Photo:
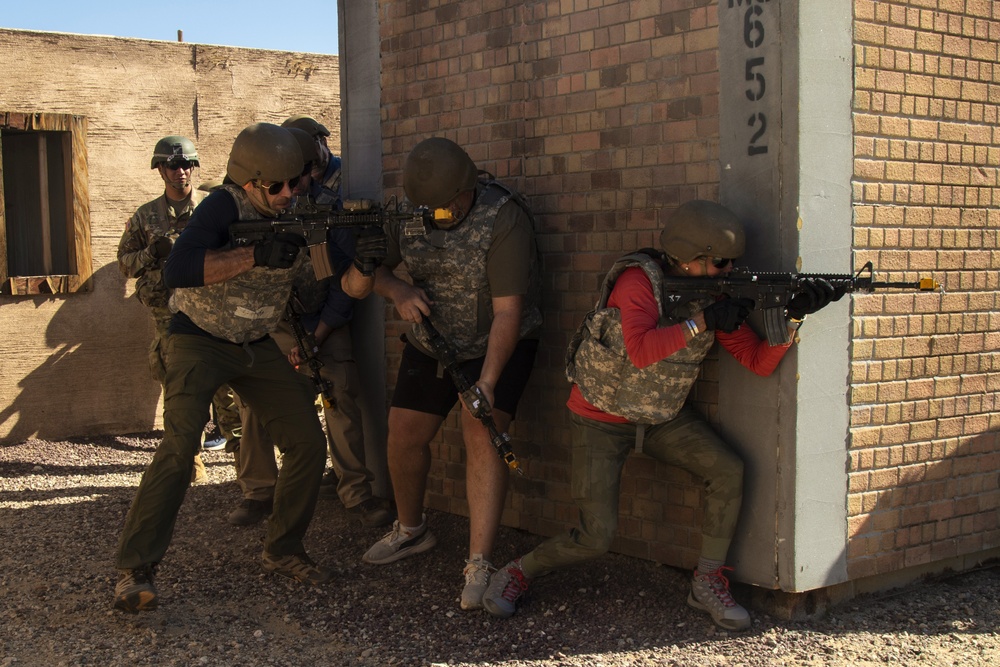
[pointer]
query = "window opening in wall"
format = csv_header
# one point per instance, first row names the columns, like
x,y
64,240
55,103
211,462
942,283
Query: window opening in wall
x,y
45,231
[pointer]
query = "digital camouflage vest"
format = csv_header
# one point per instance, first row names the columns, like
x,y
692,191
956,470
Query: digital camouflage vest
x,y
245,307
151,221
451,268
599,365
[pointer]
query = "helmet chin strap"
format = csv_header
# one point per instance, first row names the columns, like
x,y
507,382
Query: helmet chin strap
x,y
260,201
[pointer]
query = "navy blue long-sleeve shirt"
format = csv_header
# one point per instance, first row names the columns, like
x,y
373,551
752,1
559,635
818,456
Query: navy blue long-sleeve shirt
x,y
208,229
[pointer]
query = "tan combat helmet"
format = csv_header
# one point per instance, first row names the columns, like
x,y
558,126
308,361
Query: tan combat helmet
x,y
701,228
307,123
264,152
436,171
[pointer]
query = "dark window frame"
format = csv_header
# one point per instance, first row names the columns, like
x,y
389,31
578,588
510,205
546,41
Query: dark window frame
x,y
67,248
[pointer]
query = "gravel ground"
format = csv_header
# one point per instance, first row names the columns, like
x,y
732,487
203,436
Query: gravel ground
x,y
62,505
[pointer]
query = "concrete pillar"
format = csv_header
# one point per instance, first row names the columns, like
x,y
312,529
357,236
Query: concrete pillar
x,y
361,149
786,166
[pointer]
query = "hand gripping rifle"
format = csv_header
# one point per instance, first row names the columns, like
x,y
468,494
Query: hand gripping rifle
x,y
308,349
472,397
312,221
771,292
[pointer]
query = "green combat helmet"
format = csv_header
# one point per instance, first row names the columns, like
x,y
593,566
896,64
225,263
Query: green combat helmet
x,y
702,229
174,147
306,144
436,171
264,152
307,123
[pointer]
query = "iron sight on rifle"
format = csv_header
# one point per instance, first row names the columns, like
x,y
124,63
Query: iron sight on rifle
x,y
312,221
771,292
472,397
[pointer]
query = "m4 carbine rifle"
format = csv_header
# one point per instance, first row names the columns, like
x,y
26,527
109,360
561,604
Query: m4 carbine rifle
x,y
771,292
312,221
472,397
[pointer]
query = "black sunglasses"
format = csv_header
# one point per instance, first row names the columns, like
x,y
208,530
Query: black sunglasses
x,y
276,188
719,262
180,164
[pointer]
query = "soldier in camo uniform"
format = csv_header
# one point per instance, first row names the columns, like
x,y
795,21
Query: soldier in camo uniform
x,y
144,246
226,301
633,363
475,276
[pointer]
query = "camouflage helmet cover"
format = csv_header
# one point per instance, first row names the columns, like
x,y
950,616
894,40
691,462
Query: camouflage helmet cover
x,y
173,147
436,171
306,144
702,229
307,123
264,152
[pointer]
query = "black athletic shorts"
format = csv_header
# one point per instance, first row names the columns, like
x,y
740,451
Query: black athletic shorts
x,y
419,388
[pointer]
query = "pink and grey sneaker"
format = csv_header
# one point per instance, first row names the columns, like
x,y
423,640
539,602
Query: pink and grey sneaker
x,y
710,592
507,586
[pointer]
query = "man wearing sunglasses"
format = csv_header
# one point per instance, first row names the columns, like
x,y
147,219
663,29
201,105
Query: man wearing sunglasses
x,y
475,275
641,404
227,301
327,317
143,249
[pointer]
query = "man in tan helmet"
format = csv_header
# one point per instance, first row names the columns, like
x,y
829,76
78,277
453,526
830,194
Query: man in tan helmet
x,y
227,301
641,403
328,321
143,249
325,174
475,276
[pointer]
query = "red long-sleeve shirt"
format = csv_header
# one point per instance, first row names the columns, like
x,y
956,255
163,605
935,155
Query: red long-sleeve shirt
x,y
647,344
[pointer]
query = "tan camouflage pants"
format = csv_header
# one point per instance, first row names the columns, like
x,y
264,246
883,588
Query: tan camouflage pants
x,y
599,453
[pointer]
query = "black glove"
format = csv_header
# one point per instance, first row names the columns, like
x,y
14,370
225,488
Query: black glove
x,y
815,294
278,252
160,248
726,315
370,250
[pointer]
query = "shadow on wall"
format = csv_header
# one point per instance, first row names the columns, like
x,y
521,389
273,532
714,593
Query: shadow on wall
x,y
96,379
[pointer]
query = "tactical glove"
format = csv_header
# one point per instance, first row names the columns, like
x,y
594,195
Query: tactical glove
x,y
370,250
815,294
278,252
726,315
160,248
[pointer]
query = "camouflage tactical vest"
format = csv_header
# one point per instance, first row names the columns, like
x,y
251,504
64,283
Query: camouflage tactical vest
x,y
599,365
245,307
451,268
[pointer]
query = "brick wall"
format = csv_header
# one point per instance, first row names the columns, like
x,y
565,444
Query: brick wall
x,y
924,454
606,118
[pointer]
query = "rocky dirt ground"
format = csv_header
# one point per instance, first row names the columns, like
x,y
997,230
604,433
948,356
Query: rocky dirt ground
x,y
61,509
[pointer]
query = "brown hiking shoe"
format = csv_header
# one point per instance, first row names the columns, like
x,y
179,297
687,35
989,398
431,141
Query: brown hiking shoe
x,y
299,567
134,591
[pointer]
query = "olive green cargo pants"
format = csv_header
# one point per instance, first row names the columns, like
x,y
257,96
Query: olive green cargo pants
x,y
283,399
598,455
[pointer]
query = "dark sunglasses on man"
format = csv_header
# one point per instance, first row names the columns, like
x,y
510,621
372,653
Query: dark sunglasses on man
x,y
176,165
276,188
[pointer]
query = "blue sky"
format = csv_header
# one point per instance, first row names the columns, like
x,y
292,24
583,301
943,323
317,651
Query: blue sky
x,y
250,23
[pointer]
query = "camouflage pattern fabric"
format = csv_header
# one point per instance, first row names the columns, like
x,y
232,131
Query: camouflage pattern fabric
x,y
598,363
248,306
452,270
151,221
